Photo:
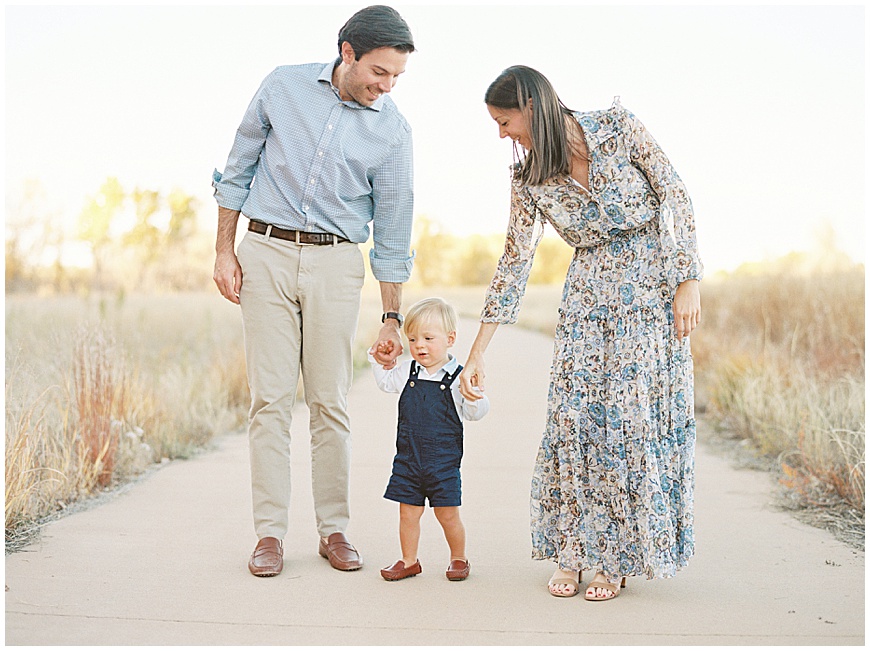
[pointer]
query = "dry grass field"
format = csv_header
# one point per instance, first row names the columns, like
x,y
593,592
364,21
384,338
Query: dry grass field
x,y
780,364
99,389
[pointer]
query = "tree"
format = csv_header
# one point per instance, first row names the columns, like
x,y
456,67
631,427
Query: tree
x,y
182,265
145,236
34,235
182,217
95,222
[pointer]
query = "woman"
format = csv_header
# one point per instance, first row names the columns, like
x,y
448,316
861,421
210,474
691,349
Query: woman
x,y
612,490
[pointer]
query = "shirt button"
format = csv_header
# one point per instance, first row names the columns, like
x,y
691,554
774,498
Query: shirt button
x,y
329,126
306,208
311,181
320,153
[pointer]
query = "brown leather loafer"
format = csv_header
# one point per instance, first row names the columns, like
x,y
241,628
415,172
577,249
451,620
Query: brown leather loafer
x,y
458,570
340,553
268,558
397,571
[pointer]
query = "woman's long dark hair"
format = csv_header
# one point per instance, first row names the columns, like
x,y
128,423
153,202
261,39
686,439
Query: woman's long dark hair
x,y
526,89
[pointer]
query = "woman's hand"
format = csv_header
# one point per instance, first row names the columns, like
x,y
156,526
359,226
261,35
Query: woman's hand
x,y
471,379
687,308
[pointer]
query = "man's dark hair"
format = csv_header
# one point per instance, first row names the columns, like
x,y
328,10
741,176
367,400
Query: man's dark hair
x,y
374,27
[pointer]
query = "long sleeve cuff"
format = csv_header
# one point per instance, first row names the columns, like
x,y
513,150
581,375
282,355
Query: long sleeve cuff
x,y
388,380
389,270
687,267
226,194
475,410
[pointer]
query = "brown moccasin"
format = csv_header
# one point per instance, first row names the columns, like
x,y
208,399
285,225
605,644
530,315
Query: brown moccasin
x,y
268,558
397,571
458,570
340,553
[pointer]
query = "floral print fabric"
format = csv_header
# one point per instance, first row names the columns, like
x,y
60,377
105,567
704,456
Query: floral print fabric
x,y
613,483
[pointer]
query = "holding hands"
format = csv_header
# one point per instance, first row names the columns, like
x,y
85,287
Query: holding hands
x,y
388,347
471,379
472,376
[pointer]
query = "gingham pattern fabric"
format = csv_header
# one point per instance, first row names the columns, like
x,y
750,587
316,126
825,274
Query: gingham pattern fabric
x,y
304,159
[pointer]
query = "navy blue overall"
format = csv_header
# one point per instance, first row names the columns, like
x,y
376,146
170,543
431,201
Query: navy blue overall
x,y
428,444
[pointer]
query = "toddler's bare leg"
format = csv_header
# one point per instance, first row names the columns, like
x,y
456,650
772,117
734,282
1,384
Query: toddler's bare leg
x,y
454,530
409,531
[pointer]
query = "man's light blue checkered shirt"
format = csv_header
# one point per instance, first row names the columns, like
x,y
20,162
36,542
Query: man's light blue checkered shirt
x,y
304,159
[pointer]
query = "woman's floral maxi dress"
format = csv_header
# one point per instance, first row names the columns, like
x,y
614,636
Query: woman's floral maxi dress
x,y
614,477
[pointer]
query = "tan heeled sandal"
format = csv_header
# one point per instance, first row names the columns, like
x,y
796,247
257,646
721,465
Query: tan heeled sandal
x,y
614,590
565,581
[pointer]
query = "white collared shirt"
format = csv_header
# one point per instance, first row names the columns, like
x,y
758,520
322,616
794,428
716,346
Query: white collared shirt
x,y
395,379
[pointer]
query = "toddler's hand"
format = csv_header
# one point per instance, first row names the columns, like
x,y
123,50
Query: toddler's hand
x,y
388,347
385,351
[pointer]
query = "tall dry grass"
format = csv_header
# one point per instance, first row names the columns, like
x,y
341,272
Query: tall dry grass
x,y
780,362
98,390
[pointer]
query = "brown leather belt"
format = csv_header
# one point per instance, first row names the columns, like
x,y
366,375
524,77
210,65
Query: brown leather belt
x,y
299,237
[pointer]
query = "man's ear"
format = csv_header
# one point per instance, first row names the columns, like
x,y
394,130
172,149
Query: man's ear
x,y
348,56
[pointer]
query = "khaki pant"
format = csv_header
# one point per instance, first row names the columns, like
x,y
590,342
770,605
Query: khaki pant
x,y
300,309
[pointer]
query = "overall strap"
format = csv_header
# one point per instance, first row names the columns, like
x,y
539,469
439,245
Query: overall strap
x,y
448,379
415,371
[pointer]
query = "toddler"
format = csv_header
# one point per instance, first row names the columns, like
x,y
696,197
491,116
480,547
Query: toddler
x,y
429,436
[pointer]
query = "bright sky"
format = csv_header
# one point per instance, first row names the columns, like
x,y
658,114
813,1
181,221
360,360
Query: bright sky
x,y
761,109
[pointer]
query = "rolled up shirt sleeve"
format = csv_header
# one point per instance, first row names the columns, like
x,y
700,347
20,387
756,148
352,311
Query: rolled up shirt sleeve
x,y
231,188
393,196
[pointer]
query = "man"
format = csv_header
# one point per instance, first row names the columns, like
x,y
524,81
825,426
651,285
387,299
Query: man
x,y
322,152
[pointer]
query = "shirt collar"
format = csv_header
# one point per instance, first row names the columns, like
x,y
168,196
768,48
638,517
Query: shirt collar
x,y
448,369
326,76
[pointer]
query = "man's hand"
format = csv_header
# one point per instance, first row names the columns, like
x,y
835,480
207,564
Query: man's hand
x,y
227,270
228,275
388,347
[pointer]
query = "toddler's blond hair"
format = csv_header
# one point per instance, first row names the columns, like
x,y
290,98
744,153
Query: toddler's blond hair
x,y
431,310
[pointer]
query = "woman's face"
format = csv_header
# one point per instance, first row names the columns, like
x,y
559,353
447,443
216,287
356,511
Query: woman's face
x,y
511,124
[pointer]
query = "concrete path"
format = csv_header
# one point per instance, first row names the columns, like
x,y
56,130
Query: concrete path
x,y
165,562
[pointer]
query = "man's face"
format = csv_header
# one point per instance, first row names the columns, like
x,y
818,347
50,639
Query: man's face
x,y
373,75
